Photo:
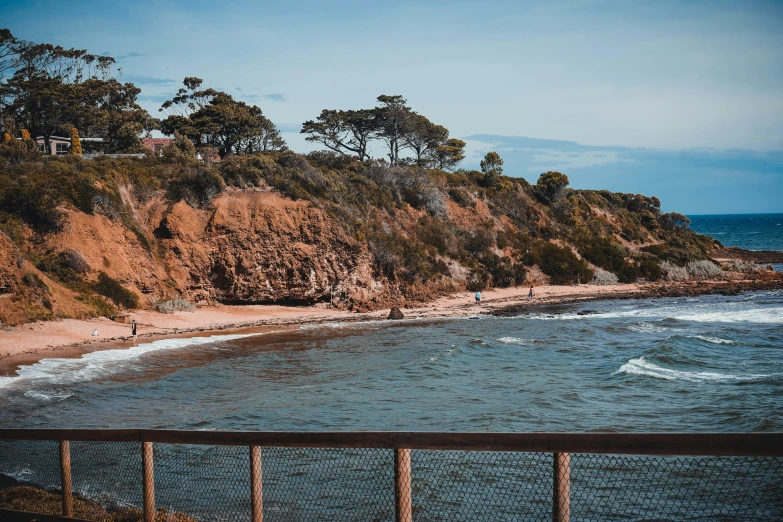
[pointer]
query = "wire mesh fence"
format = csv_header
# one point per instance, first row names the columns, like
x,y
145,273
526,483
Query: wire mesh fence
x,y
213,483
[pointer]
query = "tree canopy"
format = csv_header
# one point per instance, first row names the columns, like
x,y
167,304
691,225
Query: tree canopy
x,y
213,118
48,89
393,123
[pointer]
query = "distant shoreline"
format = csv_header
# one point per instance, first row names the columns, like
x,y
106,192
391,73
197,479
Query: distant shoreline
x,y
70,338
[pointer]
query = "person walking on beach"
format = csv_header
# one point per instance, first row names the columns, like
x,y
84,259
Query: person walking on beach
x,y
531,293
133,330
478,297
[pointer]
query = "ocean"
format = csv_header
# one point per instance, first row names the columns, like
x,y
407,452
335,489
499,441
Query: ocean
x,y
748,231
696,364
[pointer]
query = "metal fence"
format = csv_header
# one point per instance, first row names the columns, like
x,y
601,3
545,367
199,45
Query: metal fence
x,y
180,476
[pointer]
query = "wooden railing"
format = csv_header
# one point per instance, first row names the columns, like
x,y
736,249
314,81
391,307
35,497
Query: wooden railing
x,y
560,445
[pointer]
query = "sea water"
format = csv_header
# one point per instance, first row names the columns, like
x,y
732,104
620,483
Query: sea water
x,y
702,364
748,231
710,363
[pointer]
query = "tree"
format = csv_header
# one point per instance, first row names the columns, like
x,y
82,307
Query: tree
x,y
53,89
263,135
76,144
423,137
343,131
214,118
449,154
394,124
550,186
492,167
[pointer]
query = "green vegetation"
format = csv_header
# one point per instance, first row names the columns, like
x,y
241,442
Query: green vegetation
x,y
429,226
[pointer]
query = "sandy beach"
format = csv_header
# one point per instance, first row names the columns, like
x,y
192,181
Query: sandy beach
x,y
32,342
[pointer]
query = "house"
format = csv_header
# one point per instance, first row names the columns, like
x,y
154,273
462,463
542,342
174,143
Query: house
x,y
59,145
156,144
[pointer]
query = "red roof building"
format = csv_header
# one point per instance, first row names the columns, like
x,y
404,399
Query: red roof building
x,y
156,144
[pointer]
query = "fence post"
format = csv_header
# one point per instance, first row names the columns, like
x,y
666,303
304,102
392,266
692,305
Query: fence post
x,y
65,478
561,487
403,507
149,481
256,496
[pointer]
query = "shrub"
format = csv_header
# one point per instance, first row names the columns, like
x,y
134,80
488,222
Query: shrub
x,y
745,267
673,272
24,497
198,187
551,186
111,288
650,270
98,304
178,304
560,264
602,277
703,269
461,197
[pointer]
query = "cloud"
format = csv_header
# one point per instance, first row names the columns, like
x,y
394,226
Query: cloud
x,y
148,80
130,55
156,98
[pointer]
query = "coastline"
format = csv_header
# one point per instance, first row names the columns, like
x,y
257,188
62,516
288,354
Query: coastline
x,y
70,338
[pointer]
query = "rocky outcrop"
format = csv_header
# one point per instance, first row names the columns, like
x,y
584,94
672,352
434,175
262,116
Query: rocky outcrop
x,y
249,246
396,314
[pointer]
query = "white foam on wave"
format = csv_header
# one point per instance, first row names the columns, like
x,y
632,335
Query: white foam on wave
x,y
697,314
104,362
647,328
48,395
713,340
517,340
641,366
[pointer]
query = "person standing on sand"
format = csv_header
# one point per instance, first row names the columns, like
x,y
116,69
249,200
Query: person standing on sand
x,y
531,293
133,330
95,333
478,297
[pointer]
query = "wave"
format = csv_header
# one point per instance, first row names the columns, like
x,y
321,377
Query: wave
x,y
641,366
646,328
104,362
517,340
766,315
48,395
713,340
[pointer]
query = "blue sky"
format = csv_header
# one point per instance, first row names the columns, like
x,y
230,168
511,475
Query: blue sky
x,y
679,99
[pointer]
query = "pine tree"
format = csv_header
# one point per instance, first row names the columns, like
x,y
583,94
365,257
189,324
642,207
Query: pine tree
x,y
76,144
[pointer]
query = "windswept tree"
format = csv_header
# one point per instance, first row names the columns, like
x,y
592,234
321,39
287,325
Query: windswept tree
x,y
394,124
422,137
214,118
492,167
343,132
449,154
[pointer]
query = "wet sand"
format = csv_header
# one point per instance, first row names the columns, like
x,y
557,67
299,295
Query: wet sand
x,y
32,342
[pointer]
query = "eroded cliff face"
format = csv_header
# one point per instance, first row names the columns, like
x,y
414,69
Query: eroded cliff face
x,y
255,246
250,246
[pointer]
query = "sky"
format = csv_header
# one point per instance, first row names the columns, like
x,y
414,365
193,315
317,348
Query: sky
x,y
678,99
